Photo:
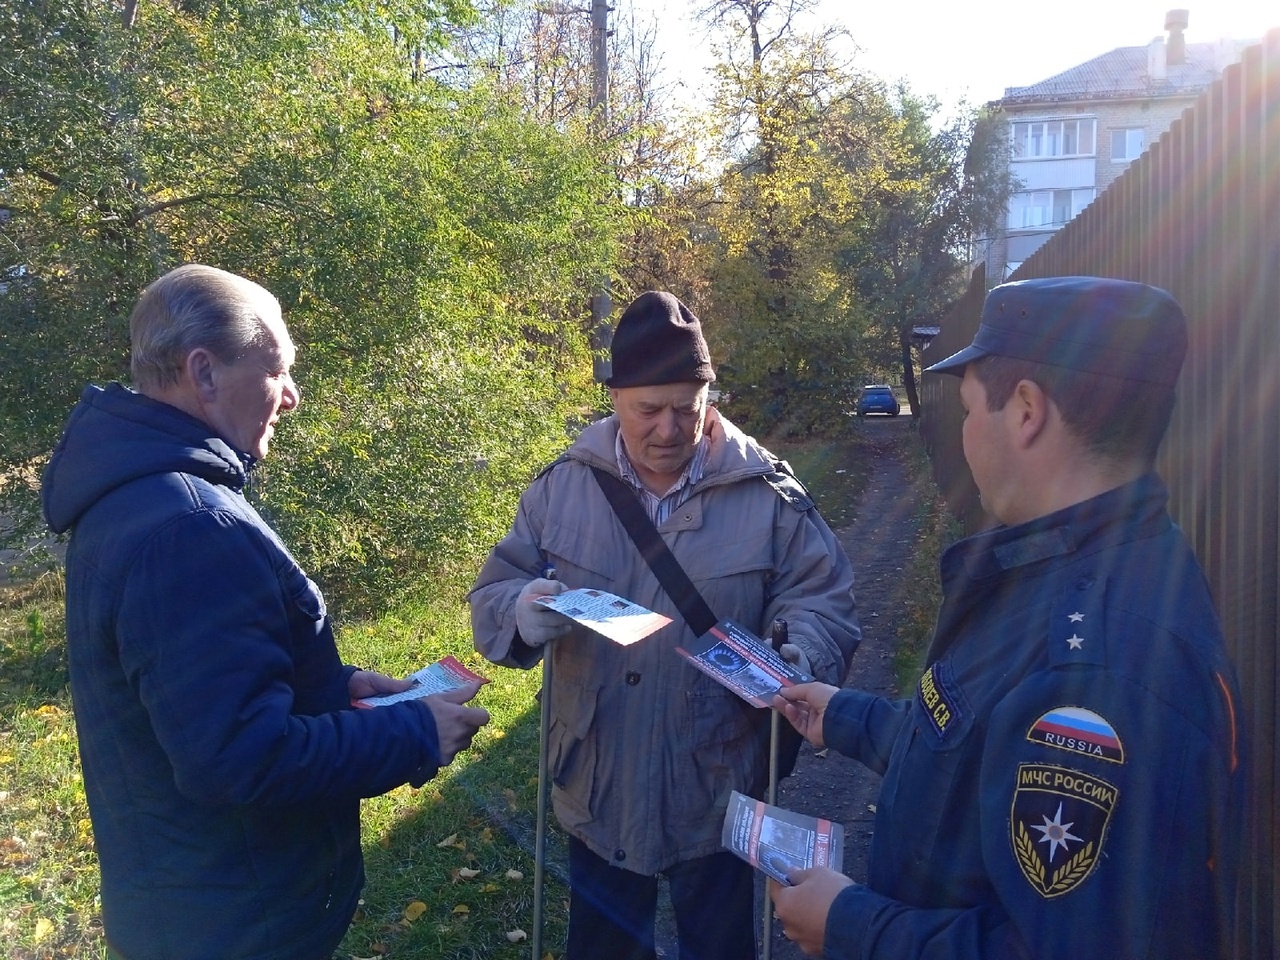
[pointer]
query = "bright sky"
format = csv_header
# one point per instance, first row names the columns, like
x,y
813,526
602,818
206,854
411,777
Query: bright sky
x,y
973,49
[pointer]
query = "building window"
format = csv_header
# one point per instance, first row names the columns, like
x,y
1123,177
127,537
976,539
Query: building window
x,y
1053,138
1127,144
1047,209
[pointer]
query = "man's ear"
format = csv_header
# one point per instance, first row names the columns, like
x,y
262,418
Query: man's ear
x,y
1030,406
202,373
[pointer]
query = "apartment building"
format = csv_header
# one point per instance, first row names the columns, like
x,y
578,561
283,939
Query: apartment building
x,y
1074,133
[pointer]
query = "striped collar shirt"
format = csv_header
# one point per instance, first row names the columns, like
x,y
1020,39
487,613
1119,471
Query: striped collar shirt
x,y
659,508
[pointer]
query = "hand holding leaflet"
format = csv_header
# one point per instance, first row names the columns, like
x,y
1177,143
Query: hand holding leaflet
x,y
536,623
777,842
609,615
445,674
743,662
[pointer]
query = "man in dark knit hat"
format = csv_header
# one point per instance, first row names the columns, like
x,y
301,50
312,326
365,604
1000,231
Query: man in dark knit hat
x,y
1065,782
645,749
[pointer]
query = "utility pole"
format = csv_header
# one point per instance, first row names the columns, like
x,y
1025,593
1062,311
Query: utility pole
x,y
601,302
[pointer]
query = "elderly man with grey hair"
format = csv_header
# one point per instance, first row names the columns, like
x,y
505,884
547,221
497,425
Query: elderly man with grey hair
x,y
223,761
644,750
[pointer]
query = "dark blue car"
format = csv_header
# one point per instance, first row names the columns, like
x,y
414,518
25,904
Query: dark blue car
x,y
878,398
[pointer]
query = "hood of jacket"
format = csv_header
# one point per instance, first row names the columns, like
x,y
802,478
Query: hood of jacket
x,y
115,436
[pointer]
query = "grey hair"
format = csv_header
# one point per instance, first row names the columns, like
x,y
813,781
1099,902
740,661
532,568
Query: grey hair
x,y
195,306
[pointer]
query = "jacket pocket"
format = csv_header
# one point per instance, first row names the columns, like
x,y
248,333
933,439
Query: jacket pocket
x,y
719,752
572,749
925,766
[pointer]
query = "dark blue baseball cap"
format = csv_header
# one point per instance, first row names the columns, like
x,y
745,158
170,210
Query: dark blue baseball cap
x,y
1117,328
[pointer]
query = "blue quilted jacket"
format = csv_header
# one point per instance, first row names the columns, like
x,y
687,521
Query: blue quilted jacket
x,y
223,763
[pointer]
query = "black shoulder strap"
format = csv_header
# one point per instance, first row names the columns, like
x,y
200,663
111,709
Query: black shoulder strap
x,y
656,553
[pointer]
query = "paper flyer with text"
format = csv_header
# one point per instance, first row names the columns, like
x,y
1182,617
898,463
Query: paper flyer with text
x,y
742,662
777,841
445,674
607,614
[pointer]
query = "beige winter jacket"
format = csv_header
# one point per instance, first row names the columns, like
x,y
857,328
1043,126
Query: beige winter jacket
x,y
644,749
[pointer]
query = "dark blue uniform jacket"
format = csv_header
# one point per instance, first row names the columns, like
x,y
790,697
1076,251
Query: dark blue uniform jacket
x,y
223,763
1065,782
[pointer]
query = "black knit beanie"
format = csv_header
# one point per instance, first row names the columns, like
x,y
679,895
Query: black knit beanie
x,y
659,340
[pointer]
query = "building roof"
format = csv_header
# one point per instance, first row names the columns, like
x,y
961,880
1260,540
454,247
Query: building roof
x,y
1124,73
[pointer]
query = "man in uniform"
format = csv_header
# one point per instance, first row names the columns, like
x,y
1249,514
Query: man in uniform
x,y
1065,780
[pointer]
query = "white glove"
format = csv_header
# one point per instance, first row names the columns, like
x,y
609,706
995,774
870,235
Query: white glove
x,y
535,623
796,657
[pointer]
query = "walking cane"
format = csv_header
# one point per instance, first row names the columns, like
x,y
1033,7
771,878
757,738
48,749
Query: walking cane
x,y
766,947
540,838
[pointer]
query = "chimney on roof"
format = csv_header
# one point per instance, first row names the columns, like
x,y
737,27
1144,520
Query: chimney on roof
x,y
1175,21
1156,69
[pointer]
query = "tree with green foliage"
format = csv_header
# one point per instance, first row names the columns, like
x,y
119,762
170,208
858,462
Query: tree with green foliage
x,y
430,245
944,186
840,217
800,153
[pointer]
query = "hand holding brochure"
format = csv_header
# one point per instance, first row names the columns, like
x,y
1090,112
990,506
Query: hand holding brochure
x,y
445,674
607,614
742,662
777,842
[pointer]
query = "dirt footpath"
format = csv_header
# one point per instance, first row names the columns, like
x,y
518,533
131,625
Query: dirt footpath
x,y
878,542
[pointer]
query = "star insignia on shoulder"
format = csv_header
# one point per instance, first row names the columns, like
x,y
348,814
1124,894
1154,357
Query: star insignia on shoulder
x,y
1075,642
1075,617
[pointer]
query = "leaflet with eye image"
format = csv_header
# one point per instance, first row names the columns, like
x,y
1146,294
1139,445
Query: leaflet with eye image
x,y
743,662
607,614
776,841
445,674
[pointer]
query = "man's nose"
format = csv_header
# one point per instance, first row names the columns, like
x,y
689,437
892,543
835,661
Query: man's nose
x,y
291,396
668,423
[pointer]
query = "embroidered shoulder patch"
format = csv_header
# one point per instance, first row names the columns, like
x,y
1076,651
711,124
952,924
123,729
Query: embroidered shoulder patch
x,y
1078,730
1058,824
938,706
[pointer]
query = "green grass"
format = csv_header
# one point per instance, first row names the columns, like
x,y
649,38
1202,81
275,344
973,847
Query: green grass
x,y
919,592
450,866
421,846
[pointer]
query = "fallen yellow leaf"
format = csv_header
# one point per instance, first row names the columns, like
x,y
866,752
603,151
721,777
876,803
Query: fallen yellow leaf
x,y
462,908
448,841
490,888
486,834
44,929
514,875
466,873
48,710
414,910
515,936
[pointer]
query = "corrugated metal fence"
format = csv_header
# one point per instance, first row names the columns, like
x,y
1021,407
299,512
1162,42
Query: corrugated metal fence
x,y
1198,214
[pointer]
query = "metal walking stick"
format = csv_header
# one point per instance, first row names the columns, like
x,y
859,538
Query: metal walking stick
x,y
540,838
766,945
